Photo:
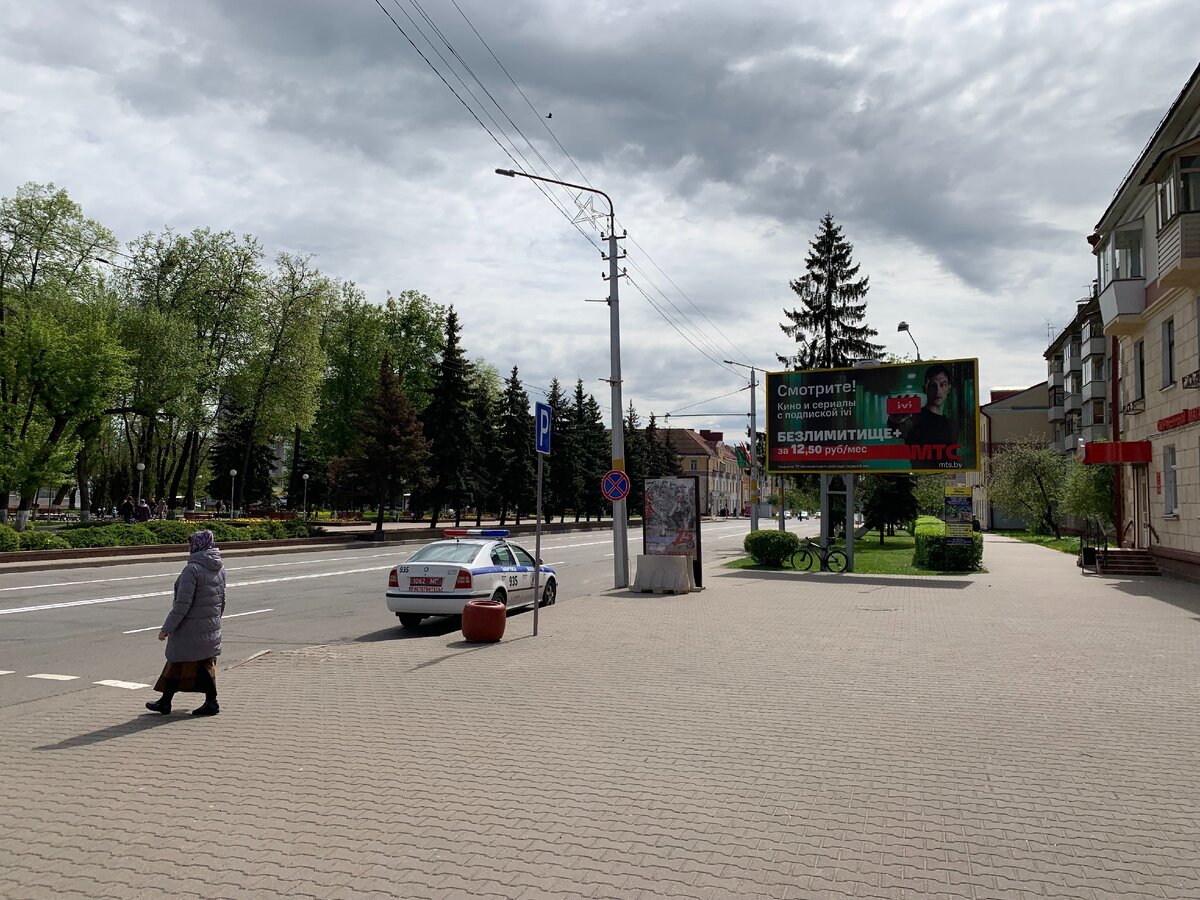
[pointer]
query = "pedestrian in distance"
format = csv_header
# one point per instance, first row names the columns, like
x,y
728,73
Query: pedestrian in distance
x,y
192,629
127,510
160,508
143,511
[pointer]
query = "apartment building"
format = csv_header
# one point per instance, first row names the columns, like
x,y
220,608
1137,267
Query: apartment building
x,y
1012,415
705,455
1077,373
1147,249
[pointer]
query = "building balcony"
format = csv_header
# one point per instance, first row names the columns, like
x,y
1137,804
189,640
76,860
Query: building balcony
x,y
1121,305
1073,358
1074,402
1179,252
1094,346
1054,377
1055,413
1094,390
1096,432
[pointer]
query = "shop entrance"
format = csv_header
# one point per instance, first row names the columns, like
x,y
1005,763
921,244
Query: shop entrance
x,y
1141,507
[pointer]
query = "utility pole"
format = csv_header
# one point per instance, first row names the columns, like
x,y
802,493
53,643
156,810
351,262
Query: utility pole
x,y
620,521
755,488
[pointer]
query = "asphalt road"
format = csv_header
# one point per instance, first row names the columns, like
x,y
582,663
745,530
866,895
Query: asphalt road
x,y
95,629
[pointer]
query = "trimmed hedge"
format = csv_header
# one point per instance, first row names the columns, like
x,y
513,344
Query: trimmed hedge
x,y
9,539
769,547
933,553
42,540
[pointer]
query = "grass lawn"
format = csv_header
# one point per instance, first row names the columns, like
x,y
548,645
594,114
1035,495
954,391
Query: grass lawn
x,y
1065,545
893,558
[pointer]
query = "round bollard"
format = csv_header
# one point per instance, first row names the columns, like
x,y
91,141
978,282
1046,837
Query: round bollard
x,y
483,621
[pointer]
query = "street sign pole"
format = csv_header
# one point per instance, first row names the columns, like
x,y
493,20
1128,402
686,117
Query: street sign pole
x,y
542,420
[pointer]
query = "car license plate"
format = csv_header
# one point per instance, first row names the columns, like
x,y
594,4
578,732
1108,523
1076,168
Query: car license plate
x,y
424,583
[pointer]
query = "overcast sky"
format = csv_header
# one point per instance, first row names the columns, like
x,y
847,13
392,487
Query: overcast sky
x,y
967,149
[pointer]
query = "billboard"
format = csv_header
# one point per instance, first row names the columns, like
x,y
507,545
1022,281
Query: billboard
x,y
671,525
907,417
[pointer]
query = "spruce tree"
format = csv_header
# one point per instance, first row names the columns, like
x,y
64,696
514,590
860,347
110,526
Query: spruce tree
x,y
390,451
829,326
561,486
447,424
595,449
635,461
517,485
486,464
234,444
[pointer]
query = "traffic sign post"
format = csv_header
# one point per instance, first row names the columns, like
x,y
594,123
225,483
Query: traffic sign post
x,y
542,423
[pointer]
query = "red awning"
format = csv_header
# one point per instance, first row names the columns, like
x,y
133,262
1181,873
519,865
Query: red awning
x,y
1115,452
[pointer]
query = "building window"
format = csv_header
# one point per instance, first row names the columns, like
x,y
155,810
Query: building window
x,y
1056,396
1166,200
1127,253
1097,412
1170,492
1096,370
1189,183
1139,370
1168,352
693,465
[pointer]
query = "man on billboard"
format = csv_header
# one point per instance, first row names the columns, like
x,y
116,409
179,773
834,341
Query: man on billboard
x,y
930,425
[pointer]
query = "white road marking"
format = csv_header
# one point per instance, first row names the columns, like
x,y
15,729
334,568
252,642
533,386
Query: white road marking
x,y
73,603
229,616
46,677
174,573
7,672
127,685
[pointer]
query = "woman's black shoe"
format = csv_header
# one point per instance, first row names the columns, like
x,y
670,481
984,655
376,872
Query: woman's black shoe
x,y
159,706
210,708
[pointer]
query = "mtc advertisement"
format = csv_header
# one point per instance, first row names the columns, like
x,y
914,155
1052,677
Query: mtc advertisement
x,y
908,417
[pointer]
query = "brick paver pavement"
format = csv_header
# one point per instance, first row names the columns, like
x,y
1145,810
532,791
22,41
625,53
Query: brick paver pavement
x,y
1027,732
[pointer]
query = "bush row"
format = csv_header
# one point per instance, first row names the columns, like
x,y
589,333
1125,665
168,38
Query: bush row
x,y
87,534
932,551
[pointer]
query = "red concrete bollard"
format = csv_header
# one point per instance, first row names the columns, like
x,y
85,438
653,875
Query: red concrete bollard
x,y
483,621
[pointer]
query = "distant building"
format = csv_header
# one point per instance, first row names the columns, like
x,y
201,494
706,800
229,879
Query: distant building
x,y
1012,416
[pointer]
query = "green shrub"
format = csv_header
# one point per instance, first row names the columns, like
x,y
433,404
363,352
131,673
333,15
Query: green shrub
x,y
9,539
172,532
90,537
295,529
133,535
769,547
277,530
42,540
256,533
223,532
932,553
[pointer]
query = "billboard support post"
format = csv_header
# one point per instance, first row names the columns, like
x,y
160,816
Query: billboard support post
x,y
848,481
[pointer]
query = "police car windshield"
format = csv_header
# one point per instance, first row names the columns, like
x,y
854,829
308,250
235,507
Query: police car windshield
x,y
447,551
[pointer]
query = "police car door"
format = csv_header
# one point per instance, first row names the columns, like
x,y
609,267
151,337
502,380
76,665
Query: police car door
x,y
525,564
510,578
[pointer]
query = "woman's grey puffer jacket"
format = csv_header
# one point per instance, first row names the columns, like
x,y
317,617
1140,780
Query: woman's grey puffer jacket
x,y
194,624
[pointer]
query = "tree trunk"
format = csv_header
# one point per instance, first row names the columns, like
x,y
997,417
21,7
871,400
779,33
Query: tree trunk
x,y
379,512
180,464
5,497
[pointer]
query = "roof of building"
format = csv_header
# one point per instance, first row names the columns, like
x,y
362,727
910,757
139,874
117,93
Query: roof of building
x,y
686,442
1014,399
1168,133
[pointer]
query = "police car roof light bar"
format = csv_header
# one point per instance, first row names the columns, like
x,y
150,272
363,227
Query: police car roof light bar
x,y
476,532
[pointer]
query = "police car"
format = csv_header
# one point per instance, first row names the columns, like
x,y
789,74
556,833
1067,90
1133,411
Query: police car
x,y
469,564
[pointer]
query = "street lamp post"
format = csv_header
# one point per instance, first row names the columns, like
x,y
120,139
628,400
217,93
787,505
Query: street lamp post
x,y
620,525
304,477
141,467
232,482
903,326
755,489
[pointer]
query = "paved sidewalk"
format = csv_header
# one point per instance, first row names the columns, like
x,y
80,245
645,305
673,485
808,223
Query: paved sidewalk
x,y
1028,732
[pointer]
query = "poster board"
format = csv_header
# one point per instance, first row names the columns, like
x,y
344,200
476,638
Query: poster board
x,y
671,526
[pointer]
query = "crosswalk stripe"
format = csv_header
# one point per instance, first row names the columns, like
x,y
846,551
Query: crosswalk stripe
x,y
7,672
47,677
127,685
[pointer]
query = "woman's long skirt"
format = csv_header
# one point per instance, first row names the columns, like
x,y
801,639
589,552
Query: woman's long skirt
x,y
198,677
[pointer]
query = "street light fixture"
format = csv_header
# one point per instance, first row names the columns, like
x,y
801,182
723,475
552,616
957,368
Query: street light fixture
x,y
620,525
232,482
305,507
903,326
141,467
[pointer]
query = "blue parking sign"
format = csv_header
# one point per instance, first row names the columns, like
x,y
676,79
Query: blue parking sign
x,y
542,420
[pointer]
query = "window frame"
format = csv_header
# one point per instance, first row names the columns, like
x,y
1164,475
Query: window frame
x,y
1170,469
1139,370
1167,352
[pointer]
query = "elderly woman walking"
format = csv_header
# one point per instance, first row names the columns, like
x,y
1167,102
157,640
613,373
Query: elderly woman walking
x,y
193,629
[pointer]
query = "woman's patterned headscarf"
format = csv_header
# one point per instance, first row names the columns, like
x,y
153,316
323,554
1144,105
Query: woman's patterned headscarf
x,y
200,540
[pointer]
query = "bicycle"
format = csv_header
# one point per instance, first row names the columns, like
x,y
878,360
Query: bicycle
x,y
831,560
